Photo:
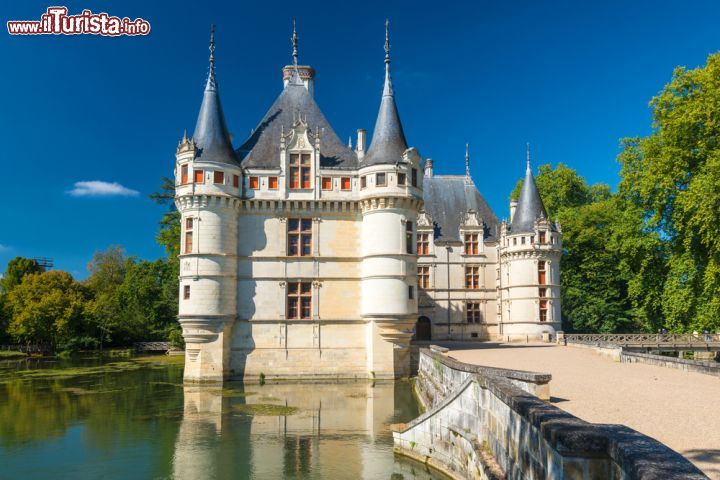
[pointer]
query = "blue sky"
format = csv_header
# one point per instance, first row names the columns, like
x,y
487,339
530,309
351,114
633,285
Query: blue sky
x,y
571,78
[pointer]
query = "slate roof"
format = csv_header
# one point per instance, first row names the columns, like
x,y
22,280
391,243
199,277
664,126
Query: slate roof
x,y
529,208
211,132
448,198
388,139
262,148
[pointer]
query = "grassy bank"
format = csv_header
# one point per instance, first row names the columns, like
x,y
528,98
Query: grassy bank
x,y
11,354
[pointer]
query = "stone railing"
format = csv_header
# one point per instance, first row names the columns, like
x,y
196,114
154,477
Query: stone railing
x,y
642,340
697,366
487,427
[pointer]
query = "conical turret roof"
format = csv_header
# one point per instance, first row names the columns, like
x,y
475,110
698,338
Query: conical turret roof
x,y
530,206
388,141
211,133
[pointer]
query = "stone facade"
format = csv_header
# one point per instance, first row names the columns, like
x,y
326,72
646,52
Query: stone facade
x,y
300,255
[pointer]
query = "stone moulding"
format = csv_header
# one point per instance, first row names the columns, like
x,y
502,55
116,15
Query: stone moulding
x,y
484,426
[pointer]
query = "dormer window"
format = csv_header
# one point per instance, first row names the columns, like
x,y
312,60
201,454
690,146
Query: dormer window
x,y
541,237
300,170
471,244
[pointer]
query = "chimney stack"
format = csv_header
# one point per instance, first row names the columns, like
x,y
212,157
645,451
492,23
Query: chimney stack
x,y
360,147
428,168
306,74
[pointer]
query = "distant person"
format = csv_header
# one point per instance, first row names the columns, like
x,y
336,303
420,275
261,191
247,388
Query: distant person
x,y
707,336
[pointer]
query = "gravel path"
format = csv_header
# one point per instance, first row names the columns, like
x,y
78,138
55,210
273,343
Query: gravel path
x,y
675,407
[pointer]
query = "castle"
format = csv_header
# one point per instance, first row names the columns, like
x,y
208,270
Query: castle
x,y
302,257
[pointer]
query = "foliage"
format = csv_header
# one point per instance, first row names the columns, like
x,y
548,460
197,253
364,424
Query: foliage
x,y
169,234
16,269
46,308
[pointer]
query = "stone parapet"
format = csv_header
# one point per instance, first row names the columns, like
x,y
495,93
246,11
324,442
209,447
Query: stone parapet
x,y
486,427
707,368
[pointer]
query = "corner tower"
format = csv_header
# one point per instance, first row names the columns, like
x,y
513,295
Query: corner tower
x,y
207,194
530,251
390,199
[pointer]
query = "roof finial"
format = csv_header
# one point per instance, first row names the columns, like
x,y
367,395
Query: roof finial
x,y
528,157
211,74
467,160
295,45
350,142
387,41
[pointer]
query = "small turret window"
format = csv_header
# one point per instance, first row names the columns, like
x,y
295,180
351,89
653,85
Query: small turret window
x,y
218,177
326,183
363,181
380,180
186,292
401,179
542,279
273,183
236,181
199,176
254,183
345,184
184,174
515,241
543,310
409,237
414,177
541,237
188,235
411,292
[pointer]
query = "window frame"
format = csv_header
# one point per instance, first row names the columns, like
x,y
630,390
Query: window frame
x,y
236,181
423,274
299,299
183,174
377,179
363,182
423,243
186,292
473,313
221,176
472,243
401,179
322,183
299,238
254,182
409,237
342,184
542,272
414,177
199,173
472,277
273,179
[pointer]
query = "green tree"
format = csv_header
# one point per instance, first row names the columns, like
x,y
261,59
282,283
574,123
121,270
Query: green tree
x,y
46,308
16,269
672,178
169,233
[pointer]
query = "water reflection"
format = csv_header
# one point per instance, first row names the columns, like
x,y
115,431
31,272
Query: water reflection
x,y
135,419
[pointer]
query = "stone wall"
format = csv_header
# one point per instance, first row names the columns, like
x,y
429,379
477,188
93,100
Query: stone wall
x,y
487,427
708,368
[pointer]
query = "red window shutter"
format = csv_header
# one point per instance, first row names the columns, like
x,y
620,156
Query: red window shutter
x,y
199,176
345,183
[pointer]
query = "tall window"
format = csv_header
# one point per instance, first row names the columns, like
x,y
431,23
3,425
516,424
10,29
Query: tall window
x,y
345,183
326,183
254,183
423,244
236,181
543,310
402,179
184,174
409,237
363,181
188,235
542,292
299,301
542,279
424,277
472,277
541,237
299,237
186,292
299,170
380,180
471,244
472,312
411,292
414,177
218,177
199,176
273,183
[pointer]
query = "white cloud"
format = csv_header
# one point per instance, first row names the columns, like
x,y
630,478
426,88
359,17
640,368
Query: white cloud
x,y
97,188
4,248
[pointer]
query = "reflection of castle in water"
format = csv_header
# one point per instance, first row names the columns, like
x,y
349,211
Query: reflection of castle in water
x,y
339,431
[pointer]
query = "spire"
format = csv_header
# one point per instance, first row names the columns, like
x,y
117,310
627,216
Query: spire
x,y
530,206
294,40
388,141
467,160
211,133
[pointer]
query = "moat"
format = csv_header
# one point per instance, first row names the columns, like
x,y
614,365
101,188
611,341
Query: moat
x,y
133,418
